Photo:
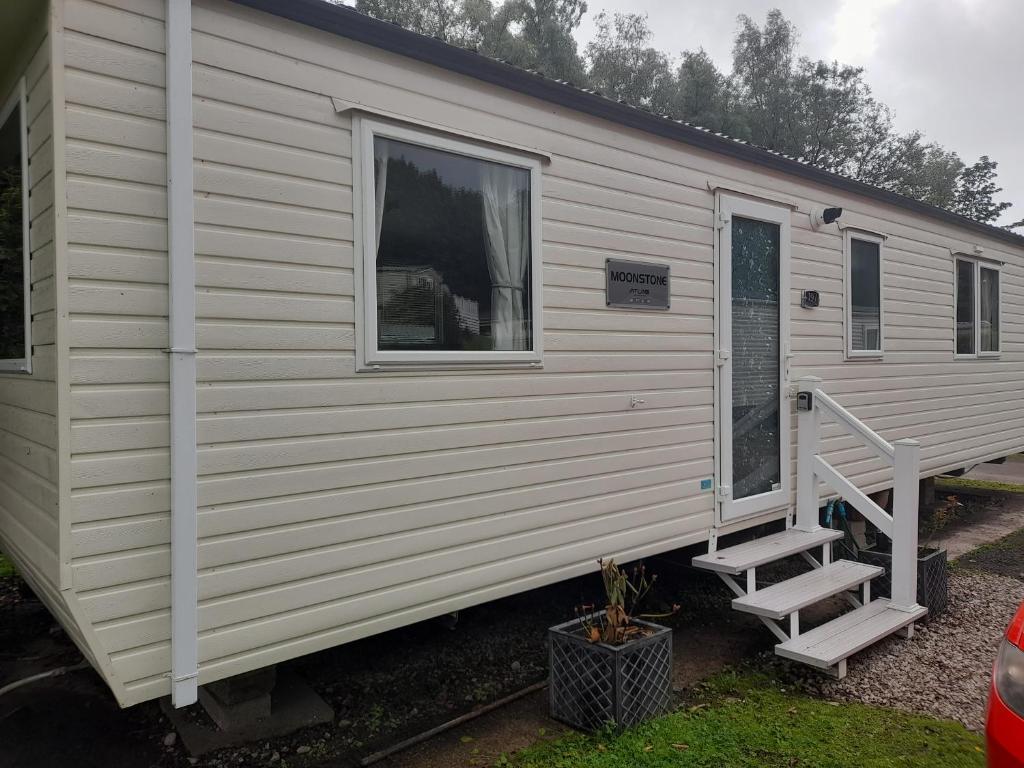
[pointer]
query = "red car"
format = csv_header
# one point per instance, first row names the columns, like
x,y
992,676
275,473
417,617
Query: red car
x,y
1004,729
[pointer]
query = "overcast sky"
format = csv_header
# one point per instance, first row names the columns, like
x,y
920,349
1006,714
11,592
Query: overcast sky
x,y
951,68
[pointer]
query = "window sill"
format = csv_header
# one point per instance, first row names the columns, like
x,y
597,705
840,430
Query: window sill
x,y
980,356
854,357
390,366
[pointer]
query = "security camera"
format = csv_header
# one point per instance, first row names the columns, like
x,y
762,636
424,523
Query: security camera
x,y
820,218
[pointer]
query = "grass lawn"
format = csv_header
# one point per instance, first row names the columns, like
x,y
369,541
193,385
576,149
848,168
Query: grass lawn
x,y
949,484
746,720
6,567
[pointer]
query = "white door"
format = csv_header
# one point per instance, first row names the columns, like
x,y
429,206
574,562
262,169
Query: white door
x,y
753,347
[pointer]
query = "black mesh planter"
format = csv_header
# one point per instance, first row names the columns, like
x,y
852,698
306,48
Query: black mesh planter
x,y
593,685
931,577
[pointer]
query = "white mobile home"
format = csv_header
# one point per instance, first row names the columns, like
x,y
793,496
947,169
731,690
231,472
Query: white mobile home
x,y
316,333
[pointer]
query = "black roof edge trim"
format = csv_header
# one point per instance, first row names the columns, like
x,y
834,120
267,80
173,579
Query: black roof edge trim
x,y
349,23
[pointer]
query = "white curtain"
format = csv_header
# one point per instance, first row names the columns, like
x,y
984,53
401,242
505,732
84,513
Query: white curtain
x,y
507,236
380,181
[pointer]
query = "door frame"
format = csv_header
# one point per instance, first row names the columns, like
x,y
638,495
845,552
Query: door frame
x,y
727,511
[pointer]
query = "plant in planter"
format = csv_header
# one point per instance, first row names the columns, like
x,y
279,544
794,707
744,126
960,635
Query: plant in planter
x,y
932,577
611,666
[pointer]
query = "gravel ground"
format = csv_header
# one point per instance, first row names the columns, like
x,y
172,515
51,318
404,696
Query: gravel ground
x,y
945,670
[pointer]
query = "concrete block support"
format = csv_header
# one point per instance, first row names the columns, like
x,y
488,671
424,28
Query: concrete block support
x,y
240,701
256,705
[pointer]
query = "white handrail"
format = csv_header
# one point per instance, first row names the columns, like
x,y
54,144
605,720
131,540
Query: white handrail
x,y
903,455
881,519
870,438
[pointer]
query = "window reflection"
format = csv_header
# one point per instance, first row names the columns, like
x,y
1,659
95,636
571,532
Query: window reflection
x,y
453,251
12,264
756,428
965,307
865,296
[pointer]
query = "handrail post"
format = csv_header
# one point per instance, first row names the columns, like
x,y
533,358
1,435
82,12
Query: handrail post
x,y
808,440
904,534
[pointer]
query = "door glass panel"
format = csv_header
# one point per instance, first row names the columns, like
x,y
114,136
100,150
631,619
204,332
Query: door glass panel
x,y
756,359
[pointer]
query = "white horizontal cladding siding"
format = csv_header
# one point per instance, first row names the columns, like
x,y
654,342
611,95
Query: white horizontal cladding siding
x,y
962,411
335,504
117,305
29,525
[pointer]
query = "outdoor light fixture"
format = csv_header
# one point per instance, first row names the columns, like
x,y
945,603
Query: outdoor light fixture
x,y
821,217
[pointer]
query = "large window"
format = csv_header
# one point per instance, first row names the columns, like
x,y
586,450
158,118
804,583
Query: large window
x,y
864,314
977,308
450,254
15,326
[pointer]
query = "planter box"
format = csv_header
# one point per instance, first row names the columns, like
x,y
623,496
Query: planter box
x,y
593,685
931,577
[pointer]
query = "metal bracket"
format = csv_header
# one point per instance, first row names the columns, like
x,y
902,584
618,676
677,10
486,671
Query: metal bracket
x,y
722,356
723,493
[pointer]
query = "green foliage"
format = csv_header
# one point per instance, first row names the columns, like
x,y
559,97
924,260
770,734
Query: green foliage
x,y
970,484
749,721
6,568
975,192
823,112
623,66
532,34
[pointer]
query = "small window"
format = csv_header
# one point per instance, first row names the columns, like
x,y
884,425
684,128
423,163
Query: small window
x,y
864,295
977,308
988,305
451,264
965,328
15,325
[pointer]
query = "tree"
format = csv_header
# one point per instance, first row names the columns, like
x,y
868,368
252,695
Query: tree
x,y
762,62
437,18
700,89
538,35
623,66
831,100
820,111
975,190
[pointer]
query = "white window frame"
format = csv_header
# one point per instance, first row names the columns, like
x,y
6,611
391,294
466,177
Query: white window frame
x,y
868,237
978,265
18,99
368,356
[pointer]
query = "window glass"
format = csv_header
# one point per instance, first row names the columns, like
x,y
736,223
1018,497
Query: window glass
x,y
989,305
453,251
964,307
12,261
865,296
756,362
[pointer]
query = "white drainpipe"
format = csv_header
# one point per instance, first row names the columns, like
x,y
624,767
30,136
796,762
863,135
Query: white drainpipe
x,y
182,326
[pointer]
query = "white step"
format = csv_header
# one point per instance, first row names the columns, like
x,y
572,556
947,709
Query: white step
x,y
735,560
831,643
780,600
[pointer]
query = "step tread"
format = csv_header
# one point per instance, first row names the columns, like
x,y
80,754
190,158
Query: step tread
x,y
780,600
827,645
751,554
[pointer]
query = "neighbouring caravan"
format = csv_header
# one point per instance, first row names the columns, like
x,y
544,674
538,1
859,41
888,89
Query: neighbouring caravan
x,y
326,328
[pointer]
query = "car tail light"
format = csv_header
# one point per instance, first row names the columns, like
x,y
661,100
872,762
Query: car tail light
x,y
1009,674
